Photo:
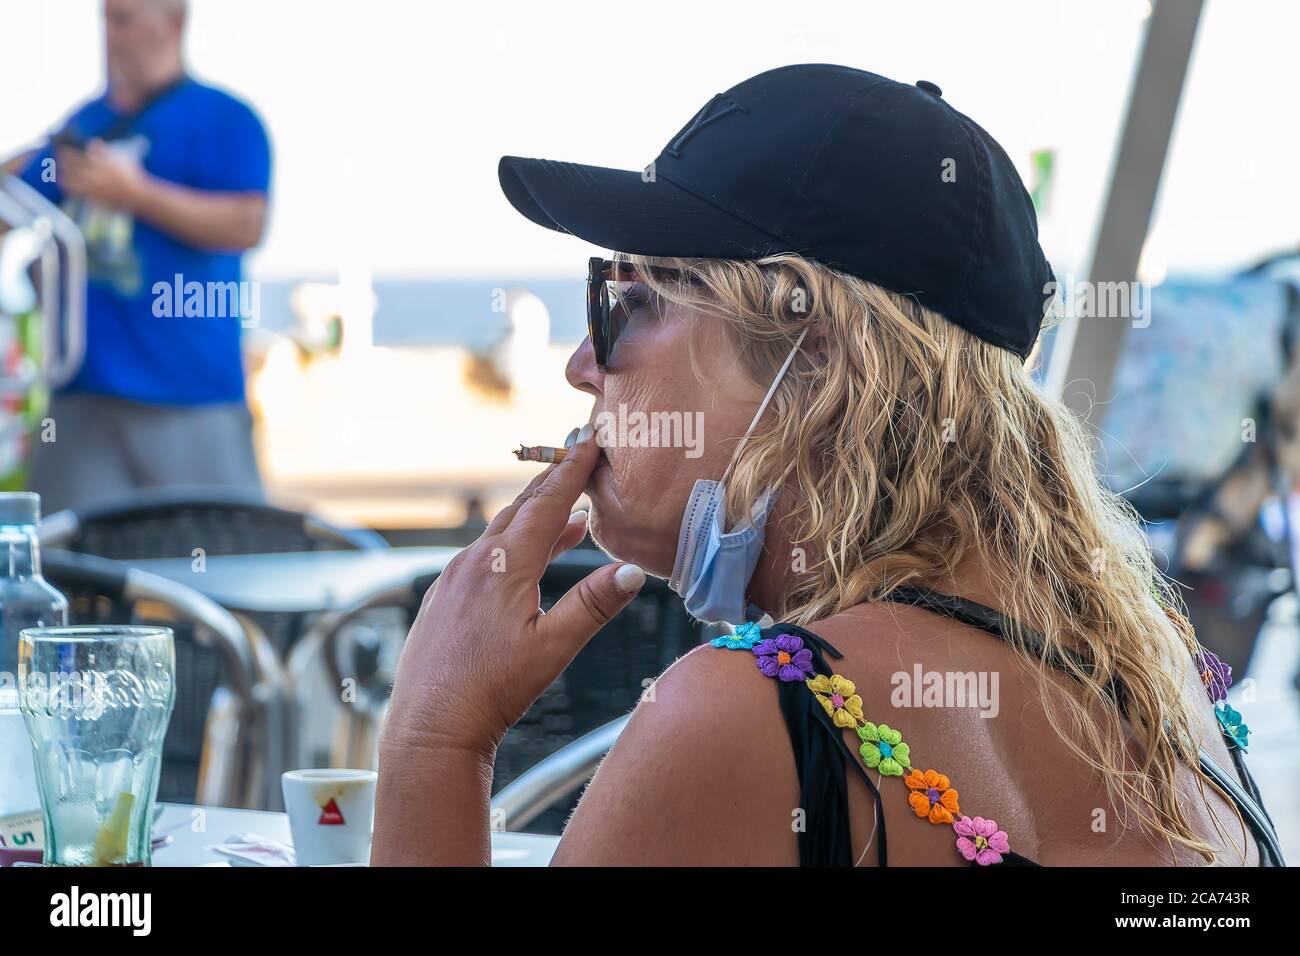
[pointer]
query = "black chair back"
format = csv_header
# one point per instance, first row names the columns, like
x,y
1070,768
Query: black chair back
x,y
171,523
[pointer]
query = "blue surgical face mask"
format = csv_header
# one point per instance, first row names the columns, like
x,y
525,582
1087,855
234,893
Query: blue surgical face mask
x,y
713,566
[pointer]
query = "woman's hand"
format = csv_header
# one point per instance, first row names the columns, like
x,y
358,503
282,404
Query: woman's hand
x,y
481,651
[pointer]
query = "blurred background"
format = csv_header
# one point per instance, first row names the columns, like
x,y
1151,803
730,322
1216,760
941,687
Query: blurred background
x,y
411,329
387,120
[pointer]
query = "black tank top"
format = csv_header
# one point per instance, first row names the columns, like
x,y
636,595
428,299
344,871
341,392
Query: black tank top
x,y
815,721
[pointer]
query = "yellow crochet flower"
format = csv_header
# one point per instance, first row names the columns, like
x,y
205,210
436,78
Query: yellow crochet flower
x,y
839,697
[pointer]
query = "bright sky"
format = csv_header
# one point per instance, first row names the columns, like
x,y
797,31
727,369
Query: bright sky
x,y
388,116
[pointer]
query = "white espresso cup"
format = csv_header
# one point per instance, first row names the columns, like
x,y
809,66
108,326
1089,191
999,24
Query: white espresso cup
x,y
331,813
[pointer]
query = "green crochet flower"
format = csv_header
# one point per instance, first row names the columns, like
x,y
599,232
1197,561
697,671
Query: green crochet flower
x,y
883,749
1232,724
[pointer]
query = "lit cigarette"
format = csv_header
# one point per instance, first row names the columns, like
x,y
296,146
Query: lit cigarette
x,y
543,453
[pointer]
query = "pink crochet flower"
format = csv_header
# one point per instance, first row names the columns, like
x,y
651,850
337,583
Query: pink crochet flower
x,y
980,840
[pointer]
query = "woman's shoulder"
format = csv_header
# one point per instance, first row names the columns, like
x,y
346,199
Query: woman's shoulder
x,y
708,687
702,774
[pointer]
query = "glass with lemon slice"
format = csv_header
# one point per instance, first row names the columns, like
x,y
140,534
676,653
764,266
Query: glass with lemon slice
x,y
96,701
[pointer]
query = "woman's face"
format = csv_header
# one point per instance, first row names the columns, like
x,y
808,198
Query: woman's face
x,y
639,490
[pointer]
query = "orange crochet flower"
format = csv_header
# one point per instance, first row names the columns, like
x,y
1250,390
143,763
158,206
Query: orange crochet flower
x,y
931,797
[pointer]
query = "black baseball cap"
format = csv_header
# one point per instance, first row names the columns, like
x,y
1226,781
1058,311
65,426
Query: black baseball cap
x,y
871,177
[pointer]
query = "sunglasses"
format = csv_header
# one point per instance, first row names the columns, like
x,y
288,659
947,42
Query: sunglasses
x,y
608,306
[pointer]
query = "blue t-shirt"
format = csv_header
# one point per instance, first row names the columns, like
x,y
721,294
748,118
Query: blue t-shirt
x,y
152,334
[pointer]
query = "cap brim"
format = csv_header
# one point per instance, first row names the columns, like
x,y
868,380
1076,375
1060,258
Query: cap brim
x,y
619,209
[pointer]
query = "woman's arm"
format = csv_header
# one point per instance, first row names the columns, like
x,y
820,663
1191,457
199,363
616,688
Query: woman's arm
x,y
433,806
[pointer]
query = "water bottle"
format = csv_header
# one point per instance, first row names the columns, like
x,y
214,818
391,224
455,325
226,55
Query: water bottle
x,y
26,600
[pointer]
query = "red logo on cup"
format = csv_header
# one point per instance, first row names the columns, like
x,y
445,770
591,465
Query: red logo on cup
x,y
330,815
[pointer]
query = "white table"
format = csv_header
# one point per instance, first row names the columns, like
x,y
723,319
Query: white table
x,y
302,581
188,846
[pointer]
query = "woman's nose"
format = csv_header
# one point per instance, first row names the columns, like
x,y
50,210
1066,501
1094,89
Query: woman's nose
x,y
582,372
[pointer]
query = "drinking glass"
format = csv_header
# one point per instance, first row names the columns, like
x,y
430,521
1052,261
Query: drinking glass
x,y
96,701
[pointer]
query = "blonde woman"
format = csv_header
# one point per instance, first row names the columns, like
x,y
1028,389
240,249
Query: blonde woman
x,y
973,661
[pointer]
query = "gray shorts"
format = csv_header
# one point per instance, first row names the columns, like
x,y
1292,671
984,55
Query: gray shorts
x,y
105,448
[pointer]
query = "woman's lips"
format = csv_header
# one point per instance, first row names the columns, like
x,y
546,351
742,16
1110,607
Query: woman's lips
x,y
601,482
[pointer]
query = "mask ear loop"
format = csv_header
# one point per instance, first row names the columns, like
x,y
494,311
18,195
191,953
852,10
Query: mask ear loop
x,y
762,407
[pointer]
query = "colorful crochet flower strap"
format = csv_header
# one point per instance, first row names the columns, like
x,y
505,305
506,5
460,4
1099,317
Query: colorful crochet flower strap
x,y
1217,678
793,655
747,636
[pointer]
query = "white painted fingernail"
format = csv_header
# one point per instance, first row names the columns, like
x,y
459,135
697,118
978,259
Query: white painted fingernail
x,y
629,578
572,439
579,515
586,433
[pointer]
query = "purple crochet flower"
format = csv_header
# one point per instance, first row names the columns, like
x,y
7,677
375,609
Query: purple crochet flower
x,y
1215,675
784,656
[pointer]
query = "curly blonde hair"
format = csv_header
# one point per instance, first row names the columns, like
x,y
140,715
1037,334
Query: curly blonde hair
x,y
908,444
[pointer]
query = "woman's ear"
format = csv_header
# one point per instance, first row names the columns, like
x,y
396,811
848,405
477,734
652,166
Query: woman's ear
x,y
815,345
820,349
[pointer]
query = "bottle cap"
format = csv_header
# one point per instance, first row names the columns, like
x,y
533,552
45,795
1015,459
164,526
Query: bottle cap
x,y
20,508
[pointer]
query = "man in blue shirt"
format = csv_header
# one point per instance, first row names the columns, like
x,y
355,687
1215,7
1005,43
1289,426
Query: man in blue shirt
x,y
168,179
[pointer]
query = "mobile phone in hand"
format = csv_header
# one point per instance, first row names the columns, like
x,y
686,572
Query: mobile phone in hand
x,y
68,138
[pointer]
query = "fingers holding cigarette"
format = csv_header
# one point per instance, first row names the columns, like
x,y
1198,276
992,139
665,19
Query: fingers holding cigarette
x,y
548,454
543,453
